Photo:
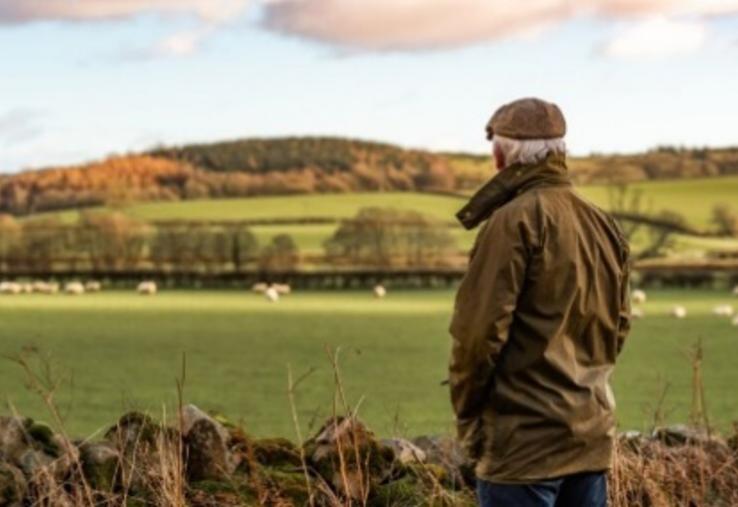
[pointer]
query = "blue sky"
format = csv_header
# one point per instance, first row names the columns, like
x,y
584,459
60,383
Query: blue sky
x,y
80,83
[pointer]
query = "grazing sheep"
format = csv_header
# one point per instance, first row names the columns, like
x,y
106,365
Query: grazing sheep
x,y
638,296
27,288
74,289
272,294
11,288
282,288
147,288
379,291
723,310
636,313
40,287
679,312
93,286
260,287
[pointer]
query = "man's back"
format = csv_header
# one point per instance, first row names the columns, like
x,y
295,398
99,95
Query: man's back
x,y
545,304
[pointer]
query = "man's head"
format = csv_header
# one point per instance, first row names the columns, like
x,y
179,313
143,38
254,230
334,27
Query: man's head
x,y
526,131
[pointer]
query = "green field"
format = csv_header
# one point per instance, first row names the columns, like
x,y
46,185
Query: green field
x,y
123,351
694,199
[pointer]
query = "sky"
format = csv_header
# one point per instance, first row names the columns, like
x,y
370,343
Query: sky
x,y
84,79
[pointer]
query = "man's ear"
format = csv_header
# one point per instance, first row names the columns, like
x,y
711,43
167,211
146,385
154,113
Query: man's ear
x,y
499,156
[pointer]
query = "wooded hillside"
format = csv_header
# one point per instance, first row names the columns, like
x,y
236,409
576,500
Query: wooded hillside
x,y
310,165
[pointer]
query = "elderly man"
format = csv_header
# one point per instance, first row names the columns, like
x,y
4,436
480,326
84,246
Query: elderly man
x,y
539,320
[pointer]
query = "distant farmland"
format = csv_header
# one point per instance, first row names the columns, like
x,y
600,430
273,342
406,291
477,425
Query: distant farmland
x,y
692,198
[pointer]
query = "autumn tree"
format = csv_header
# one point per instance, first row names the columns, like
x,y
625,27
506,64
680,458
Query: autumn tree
x,y
280,255
390,238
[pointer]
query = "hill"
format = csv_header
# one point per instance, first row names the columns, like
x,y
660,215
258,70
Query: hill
x,y
287,166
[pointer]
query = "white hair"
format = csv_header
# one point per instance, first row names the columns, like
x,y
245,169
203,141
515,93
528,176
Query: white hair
x,y
528,151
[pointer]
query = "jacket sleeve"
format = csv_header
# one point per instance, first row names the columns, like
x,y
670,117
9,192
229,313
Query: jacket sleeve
x,y
624,319
483,313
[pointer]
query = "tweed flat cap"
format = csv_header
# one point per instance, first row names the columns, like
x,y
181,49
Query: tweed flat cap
x,y
528,118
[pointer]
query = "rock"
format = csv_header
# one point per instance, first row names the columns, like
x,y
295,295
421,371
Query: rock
x,y
100,464
276,453
134,431
35,463
447,452
13,486
13,440
43,438
680,434
346,454
206,442
405,451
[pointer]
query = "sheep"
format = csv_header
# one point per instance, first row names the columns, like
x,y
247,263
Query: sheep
x,y
723,310
260,287
272,294
282,288
40,287
27,288
679,312
93,286
379,291
74,289
11,288
636,313
638,296
147,288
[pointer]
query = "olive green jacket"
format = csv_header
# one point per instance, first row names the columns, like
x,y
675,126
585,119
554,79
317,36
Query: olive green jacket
x,y
539,319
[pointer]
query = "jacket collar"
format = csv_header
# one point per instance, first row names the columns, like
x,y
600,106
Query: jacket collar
x,y
509,183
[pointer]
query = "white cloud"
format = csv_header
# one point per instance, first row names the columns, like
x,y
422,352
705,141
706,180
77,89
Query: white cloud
x,y
656,38
20,11
373,25
426,24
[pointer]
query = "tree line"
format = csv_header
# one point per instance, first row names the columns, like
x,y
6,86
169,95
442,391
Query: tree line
x,y
110,242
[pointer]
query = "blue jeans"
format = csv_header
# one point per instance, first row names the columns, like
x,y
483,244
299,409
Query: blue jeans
x,y
578,490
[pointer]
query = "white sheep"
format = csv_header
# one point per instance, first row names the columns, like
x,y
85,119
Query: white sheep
x,y
11,288
282,288
379,291
638,296
260,287
74,288
679,312
147,288
723,310
637,313
93,286
272,294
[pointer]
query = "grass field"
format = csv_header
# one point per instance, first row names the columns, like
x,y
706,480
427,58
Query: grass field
x,y
123,351
694,198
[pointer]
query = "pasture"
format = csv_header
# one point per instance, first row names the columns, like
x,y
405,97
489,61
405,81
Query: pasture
x,y
118,350
694,199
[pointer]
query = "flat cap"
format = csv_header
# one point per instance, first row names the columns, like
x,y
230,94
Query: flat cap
x,y
528,118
